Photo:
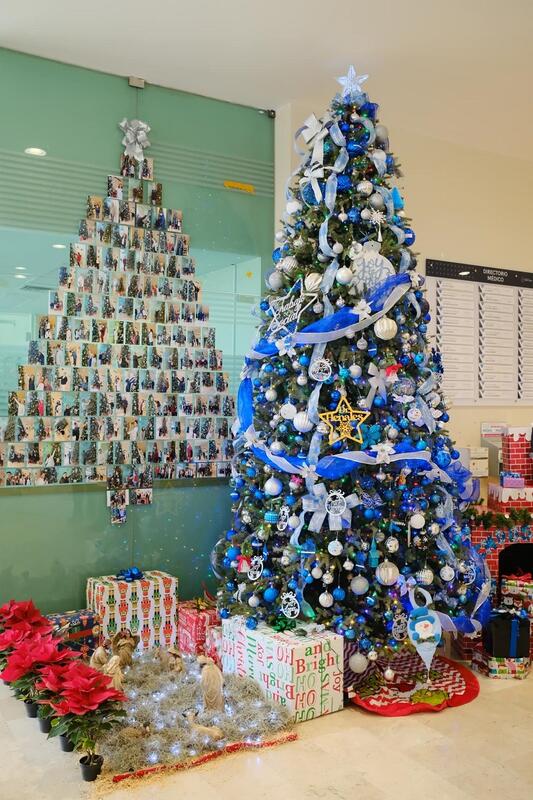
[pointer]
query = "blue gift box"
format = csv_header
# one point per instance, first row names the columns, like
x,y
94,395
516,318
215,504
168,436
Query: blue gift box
x,y
81,629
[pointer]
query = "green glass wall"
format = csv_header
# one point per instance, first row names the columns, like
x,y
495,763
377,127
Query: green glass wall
x,y
52,539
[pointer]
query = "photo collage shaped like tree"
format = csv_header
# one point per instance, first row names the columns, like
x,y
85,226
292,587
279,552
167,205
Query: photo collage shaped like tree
x,y
123,383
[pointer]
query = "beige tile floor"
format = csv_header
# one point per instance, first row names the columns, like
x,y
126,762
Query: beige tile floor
x,y
483,750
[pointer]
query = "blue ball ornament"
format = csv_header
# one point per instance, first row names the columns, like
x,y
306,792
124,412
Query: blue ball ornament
x,y
290,500
226,562
332,406
418,358
404,360
344,126
234,496
268,368
233,552
264,305
369,513
276,255
258,494
344,372
251,623
309,579
354,148
304,360
251,472
335,395
257,382
267,573
365,643
282,370
282,428
230,586
389,163
403,422
270,594
422,328
421,445
409,236
224,613
344,182
292,585
239,483
349,633
443,459
308,194
338,593
445,417
354,214
379,402
369,110
455,454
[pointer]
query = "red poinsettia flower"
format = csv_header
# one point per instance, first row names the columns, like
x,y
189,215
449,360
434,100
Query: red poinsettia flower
x,y
40,650
84,689
16,612
52,677
11,638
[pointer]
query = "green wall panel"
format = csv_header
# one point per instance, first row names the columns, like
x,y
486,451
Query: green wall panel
x,y
52,539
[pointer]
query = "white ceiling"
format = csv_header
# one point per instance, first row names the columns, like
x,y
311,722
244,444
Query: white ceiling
x,y
453,69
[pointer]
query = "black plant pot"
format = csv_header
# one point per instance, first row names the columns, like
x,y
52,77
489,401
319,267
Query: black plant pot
x,y
90,771
66,745
31,708
45,724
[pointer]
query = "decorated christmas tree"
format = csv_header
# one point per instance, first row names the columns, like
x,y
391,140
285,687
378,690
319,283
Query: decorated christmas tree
x,y
347,490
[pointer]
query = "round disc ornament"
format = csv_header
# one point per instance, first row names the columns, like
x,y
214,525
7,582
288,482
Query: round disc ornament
x,y
335,547
283,519
399,627
468,574
320,370
335,503
289,604
447,573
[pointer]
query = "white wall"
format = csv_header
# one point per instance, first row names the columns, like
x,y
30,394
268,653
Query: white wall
x,y
466,205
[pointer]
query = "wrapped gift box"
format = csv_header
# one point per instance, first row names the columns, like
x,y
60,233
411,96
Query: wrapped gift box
x,y
302,673
81,629
512,480
213,643
507,635
520,588
503,668
147,607
194,618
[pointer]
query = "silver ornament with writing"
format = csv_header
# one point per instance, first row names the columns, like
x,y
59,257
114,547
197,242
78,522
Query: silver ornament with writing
x,y
289,604
335,547
320,369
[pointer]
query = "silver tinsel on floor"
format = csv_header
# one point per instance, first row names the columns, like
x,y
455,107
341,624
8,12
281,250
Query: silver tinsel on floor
x,y
158,729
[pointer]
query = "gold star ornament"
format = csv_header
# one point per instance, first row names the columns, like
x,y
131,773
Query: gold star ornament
x,y
344,422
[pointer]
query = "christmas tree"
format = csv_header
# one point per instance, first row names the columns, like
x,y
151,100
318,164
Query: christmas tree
x,y
347,490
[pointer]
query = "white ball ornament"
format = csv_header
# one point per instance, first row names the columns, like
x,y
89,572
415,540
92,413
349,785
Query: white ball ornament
x,y
434,528
447,573
365,214
337,248
280,236
276,447
302,423
326,600
342,217
273,487
361,343
355,371
389,674
414,414
359,585
288,411
376,201
285,561
317,573
271,395
275,280
417,521
294,521
253,601
327,578
385,328
358,663
372,655
288,265
301,380
348,565
318,308
312,281
335,547
293,206
365,188
392,544
344,276
387,573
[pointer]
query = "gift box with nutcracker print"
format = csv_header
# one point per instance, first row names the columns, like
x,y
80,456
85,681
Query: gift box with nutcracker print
x,y
147,606
81,629
304,672
213,643
194,618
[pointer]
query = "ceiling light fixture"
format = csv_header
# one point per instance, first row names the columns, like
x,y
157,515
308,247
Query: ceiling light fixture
x,y
35,151
21,277
465,272
59,246
20,268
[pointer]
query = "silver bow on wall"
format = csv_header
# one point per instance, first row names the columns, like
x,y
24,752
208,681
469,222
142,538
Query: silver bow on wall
x,y
135,137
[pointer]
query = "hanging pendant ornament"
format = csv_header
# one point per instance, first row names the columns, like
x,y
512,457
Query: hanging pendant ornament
x,y
283,520
399,626
424,627
335,547
335,503
425,576
289,605
468,573
256,568
345,422
392,544
320,370
378,218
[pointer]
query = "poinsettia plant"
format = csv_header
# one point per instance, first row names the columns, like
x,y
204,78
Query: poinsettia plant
x,y
87,705
20,621
23,664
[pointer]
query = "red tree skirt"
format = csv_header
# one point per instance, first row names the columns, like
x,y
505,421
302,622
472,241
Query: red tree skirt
x,y
196,762
452,684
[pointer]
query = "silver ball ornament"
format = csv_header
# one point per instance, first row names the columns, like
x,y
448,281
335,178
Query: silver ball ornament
x,y
376,201
271,395
361,343
365,188
288,411
301,380
447,573
365,214
358,663
417,521
389,674
273,487
342,217
372,655
327,578
359,585
326,600
275,281
277,447
355,371
253,601
344,276
337,248
302,423
335,547
316,573
294,521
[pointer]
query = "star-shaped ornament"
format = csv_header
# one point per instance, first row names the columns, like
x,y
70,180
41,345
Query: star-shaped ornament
x,y
288,309
351,82
344,422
